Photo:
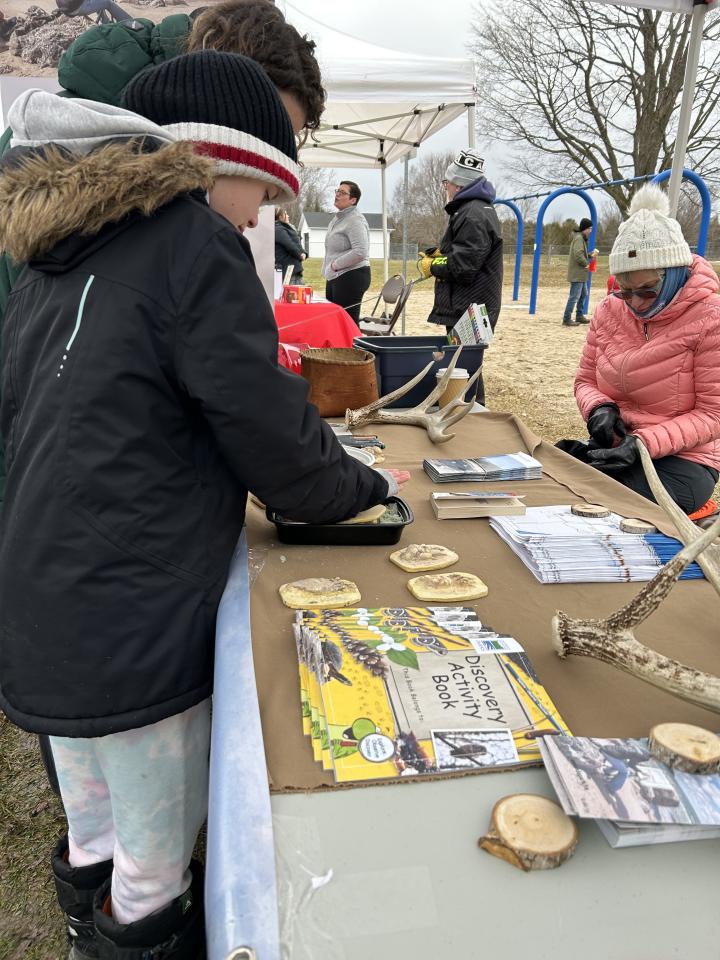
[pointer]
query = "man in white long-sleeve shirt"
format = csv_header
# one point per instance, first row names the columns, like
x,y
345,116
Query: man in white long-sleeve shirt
x,y
347,252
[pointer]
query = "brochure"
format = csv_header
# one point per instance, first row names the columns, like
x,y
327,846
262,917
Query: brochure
x,y
504,466
396,692
559,547
635,798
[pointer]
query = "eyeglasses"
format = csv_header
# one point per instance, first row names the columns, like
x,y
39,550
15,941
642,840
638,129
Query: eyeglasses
x,y
444,182
642,293
342,193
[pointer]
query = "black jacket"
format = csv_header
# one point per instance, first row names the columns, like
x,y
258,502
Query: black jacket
x,y
474,249
288,249
141,399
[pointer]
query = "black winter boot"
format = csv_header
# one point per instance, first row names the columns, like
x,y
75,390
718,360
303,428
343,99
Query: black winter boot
x,y
76,887
177,932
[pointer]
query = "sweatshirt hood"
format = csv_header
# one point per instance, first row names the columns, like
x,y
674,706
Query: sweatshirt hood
x,y
480,189
37,118
78,166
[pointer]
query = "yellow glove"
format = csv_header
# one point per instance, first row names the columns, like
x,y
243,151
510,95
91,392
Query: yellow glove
x,y
424,265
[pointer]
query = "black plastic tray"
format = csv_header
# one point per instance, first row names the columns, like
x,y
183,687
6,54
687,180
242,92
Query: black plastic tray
x,y
343,534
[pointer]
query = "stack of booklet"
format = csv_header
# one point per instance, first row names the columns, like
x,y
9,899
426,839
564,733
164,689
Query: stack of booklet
x,y
559,547
408,691
633,798
462,506
504,466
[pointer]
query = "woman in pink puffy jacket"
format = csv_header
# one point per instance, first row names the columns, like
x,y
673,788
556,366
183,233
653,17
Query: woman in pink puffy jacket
x,y
651,364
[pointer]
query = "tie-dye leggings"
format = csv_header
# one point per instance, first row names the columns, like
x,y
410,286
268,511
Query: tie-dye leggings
x,y
139,798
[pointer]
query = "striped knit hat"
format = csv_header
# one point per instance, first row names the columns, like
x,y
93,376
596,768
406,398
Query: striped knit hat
x,y
228,107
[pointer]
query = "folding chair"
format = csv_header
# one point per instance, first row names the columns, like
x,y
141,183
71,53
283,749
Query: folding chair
x,y
391,292
383,326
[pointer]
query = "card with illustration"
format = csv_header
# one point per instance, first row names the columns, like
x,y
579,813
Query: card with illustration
x,y
420,690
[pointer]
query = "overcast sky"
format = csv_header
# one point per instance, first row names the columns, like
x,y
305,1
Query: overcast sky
x,y
440,29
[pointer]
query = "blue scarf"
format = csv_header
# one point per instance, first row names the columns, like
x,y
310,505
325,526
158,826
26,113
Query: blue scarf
x,y
674,280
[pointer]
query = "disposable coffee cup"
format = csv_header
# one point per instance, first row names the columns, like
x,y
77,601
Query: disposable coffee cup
x,y
456,386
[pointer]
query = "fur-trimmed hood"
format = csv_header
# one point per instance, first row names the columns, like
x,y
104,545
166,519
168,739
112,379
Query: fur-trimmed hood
x,y
49,195
76,166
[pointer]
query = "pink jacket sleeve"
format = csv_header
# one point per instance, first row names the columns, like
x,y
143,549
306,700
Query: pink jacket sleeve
x,y
702,423
587,394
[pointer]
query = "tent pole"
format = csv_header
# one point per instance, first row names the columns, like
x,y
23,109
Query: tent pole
x,y
686,105
384,211
406,161
471,125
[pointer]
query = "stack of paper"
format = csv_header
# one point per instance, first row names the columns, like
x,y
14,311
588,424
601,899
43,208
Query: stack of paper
x,y
559,547
397,692
462,506
504,466
634,798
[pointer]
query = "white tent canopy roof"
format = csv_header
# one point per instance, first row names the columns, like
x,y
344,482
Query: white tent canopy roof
x,y
380,95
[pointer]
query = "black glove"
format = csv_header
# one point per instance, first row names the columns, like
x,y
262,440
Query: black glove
x,y
604,422
616,458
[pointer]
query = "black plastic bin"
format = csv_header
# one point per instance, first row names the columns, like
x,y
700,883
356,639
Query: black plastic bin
x,y
343,534
398,359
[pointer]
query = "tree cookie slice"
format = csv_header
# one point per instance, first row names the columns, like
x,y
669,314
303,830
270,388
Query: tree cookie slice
x,y
447,586
685,747
631,525
592,510
423,556
371,515
319,592
530,832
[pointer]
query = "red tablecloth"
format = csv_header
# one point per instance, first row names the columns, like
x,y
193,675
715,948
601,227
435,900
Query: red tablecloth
x,y
316,324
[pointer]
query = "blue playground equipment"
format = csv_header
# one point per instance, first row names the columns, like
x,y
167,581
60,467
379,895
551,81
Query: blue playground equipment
x,y
582,192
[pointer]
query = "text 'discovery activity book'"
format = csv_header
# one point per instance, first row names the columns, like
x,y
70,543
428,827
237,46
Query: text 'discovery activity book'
x,y
397,692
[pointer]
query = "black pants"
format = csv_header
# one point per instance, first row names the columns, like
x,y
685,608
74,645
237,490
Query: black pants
x,y
348,290
689,484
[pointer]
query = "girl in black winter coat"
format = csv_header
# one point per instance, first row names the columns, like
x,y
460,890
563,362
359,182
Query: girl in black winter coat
x,y
141,400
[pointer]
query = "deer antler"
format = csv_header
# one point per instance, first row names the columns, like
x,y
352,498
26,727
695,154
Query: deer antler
x,y
612,641
709,560
435,423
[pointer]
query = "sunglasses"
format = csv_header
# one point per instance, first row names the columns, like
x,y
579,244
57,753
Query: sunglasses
x,y
646,294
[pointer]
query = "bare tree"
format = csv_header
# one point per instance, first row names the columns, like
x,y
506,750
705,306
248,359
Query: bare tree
x,y
315,186
427,219
590,93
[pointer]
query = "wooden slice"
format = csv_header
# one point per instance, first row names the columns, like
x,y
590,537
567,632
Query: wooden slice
x,y
636,526
592,510
416,557
530,832
685,747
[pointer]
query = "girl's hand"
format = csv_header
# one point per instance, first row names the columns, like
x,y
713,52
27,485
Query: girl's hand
x,y
399,476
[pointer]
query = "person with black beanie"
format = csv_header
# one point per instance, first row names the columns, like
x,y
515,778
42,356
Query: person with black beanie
x,y
145,402
579,259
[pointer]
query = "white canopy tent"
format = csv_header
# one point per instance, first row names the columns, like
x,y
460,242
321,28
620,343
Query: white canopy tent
x,y
382,103
697,9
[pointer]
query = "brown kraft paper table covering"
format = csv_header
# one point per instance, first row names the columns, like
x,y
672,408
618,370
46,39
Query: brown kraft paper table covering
x,y
594,698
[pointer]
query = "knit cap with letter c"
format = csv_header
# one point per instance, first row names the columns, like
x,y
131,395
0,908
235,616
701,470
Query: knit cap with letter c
x,y
228,107
650,239
467,166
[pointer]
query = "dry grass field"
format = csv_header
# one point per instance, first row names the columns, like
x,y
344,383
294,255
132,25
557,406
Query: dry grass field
x,y
528,371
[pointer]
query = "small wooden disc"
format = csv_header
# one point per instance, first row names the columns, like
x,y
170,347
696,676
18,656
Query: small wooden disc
x,y
636,526
685,747
530,832
592,510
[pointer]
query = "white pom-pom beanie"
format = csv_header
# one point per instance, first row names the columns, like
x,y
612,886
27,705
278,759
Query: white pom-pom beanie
x,y
649,239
